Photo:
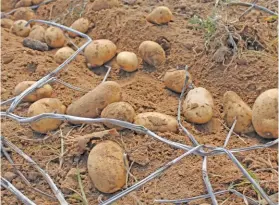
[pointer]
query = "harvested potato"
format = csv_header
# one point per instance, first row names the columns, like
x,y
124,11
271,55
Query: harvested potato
x,y
46,105
23,3
107,166
37,33
80,25
7,5
152,53
174,79
265,114
20,29
104,4
92,103
55,37
234,106
24,13
120,111
99,52
160,15
35,2
198,106
43,92
62,54
7,23
157,122
128,61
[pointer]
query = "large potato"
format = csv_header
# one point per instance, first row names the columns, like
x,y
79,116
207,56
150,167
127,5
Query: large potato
x,y
62,54
265,114
37,33
23,3
55,37
46,105
174,79
107,167
80,25
7,23
99,52
120,111
160,15
128,61
198,106
234,106
24,13
157,122
104,4
43,92
152,53
92,103
20,29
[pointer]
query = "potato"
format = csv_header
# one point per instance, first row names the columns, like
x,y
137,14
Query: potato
x,y
234,106
174,79
107,166
104,4
265,114
120,111
7,5
62,54
23,3
43,92
80,25
198,106
128,61
35,2
24,14
157,122
54,37
46,105
160,15
20,29
37,33
7,23
92,103
99,52
152,53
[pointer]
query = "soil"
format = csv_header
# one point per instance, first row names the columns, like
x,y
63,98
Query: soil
x,y
248,73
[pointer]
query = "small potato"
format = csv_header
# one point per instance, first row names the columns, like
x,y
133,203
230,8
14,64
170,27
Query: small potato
x,y
99,52
128,61
20,29
160,15
62,54
7,23
80,25
43,92
120,111
198,106
157,122
234,106
107,166
46,105
104,4
24,13
174,79
55,37
265,114
35,2
23,3
92,103
152,53
37,33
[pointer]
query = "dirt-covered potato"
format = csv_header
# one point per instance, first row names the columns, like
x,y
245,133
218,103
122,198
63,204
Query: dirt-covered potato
x,y
198,106
35,2
160,15
152,53
234,106
7,23
120,111
265,114
20,29
55,37
174,79
24,13
92,103
37,33
99,52
128,61
157,122
62,54
104,4
80,25
107,166
23,3
46,105
7,5
43,92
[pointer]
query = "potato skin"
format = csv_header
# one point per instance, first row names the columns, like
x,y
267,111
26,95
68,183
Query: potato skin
x,y
7,23
152,53
37,33
107,166
160,15
234,106
174,79
157,122
99,52
128,61
23,3
120,111
265,114
198,106
24,13
81,25
54,37
46,105
19,28
92,103
62,54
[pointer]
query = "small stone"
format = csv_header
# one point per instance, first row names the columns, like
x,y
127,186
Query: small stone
x,y
7,59
9,176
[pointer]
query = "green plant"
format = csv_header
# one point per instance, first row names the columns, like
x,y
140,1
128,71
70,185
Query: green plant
x,y
208,25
